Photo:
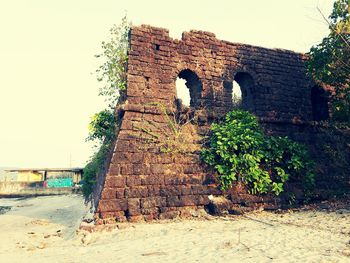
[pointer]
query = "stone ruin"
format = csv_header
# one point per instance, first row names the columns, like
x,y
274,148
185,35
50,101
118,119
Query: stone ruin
x,y
145,183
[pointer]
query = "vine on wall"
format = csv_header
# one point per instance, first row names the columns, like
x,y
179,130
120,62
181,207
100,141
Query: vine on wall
x,y
172,135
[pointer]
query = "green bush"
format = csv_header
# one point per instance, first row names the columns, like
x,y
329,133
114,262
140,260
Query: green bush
x,y
239,151
328,62
103,125
92,168
102,128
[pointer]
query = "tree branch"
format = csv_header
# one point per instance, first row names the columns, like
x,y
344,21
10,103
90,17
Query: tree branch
x,y
333,29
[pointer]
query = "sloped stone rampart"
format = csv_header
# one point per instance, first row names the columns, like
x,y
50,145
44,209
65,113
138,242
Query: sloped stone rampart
x,y
144,183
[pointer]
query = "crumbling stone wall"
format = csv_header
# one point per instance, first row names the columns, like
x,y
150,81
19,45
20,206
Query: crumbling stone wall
x,y
147,184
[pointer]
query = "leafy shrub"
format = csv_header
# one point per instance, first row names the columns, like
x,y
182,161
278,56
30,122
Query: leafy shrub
x,y
112,74
329,61
239,151
92,168
101,128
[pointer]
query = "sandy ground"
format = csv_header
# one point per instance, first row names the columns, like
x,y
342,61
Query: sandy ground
x,y
43,230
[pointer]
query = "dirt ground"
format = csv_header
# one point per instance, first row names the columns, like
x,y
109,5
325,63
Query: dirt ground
x,y
43,229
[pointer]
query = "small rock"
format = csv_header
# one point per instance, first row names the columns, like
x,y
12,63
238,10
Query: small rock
x,y
20,244
89,227
59,233
343,211
219,205
86,239
122,226
31,248
346,252
88,220
41,246
89,217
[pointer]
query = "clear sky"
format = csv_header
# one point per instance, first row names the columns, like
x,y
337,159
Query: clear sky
x,y
47,48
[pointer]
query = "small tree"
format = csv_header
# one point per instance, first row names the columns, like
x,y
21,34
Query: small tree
x,y
329,61
103,125
112,71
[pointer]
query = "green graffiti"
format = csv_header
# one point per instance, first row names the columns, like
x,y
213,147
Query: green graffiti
x,y
59,182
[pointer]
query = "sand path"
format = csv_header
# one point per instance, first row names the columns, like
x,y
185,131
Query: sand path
x,y
303,236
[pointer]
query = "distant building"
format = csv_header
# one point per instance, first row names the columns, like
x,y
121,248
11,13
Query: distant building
x,y
6,176
52,177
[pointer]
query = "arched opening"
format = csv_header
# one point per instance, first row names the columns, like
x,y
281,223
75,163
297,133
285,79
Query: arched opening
x,y
319,102
182,92
246,83
236,93
240,91
188,88
233,93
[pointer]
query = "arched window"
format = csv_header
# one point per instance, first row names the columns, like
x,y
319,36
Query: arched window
x,y
188,88
246,83
182,92
233,93
236,94
319,102
240,91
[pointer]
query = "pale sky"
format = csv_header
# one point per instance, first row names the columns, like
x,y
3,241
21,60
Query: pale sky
x,y
47,48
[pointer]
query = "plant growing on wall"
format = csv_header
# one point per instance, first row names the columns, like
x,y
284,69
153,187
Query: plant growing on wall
x,y
329,61
171,136
238,150
112,72
102,127
104,124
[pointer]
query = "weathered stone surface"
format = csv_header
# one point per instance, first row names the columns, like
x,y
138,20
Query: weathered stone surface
x,y
135,219
134,207
133,180
152,202
143,182
169,215
137,191
115,181
219,205
111,205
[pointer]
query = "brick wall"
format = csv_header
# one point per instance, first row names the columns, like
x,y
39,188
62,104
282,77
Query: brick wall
x,y
143,183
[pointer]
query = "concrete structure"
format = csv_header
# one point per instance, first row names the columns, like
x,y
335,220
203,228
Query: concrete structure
x,y
142,182
39,181
43,174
